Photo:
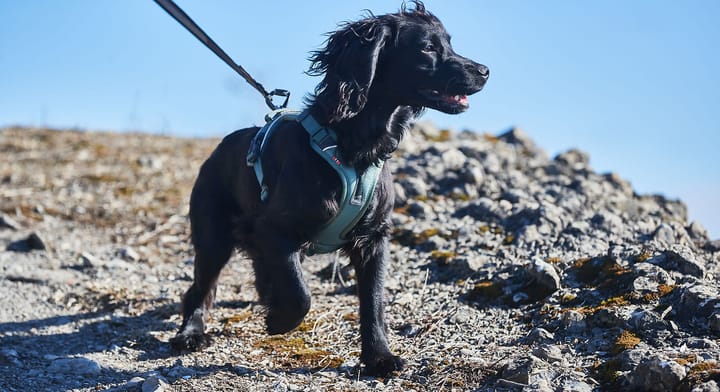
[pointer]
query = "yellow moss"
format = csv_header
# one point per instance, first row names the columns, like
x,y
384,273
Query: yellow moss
x,y
352,316
484,229
443,256
706,366
607,372
297,352
663,290
620,300
568,297
553,260
240,317
305,326
625,341
102,178
579,263
508,239
642,257
485,289
280,343
461,196
443,136
490,138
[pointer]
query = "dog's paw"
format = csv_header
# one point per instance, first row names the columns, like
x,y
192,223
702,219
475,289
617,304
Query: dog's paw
x,y
281,322
183,343
383,366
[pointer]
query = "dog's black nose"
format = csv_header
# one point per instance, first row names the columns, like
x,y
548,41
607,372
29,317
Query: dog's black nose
x,y
483,71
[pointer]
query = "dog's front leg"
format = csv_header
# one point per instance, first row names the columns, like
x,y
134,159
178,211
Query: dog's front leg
x,y
279,280
369,263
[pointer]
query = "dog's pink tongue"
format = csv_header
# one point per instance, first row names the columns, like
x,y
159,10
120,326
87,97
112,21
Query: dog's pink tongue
x,y
461,99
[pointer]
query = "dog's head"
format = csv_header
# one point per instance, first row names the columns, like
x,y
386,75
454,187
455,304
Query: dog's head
x,y
401,59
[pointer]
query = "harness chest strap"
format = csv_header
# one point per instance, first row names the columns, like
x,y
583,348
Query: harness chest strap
x,y
357,190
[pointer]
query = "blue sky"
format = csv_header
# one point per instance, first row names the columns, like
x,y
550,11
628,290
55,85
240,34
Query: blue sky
x,y
634,83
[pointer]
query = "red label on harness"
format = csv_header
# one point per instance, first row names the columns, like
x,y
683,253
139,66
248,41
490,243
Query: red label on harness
x,y
336,160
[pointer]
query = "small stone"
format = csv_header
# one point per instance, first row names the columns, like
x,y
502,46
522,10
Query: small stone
x,y
656,374
697,301
8,223
714,322
644,284
683,260
128,253
180,371
88,260
709,386
544,276
453,159
78,365
30,243
570,385
574,322
548,352
538,335
522,370
664,234
9,356
134,382
712,246
155,383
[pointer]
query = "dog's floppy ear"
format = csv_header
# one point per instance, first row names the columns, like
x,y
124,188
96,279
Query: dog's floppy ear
x,y
348,61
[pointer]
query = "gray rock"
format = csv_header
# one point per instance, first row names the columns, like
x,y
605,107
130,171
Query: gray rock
x,y
683,260
570,385
180,371
712,246
134,383
8,223
574,322
630,359
77,366
539,335
697,301
644,284
518,137
127,253
646,320
413,187
521,370
453,159
664,234
548,352
710,386
714,322
155,383
544,276
9,357
656,374
29,243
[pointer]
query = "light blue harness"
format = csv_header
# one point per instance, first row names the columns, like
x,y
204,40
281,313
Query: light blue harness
x,y
357,190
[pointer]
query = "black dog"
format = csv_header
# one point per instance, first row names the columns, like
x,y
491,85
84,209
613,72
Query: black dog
x,y
379,73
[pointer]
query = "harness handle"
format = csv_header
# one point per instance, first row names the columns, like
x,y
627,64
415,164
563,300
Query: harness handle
x,y
181,17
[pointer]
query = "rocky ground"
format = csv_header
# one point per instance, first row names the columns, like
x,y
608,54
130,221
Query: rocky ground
x,y
509,271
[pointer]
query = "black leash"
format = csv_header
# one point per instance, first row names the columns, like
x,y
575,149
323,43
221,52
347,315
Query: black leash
x,y
182,18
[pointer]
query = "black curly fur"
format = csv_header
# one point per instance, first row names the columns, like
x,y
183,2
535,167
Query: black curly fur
x,y
378,74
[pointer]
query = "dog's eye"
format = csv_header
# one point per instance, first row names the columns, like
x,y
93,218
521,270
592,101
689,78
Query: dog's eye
x,y
429,48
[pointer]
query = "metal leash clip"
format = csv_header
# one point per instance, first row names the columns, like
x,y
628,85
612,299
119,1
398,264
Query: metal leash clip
x,y
277,93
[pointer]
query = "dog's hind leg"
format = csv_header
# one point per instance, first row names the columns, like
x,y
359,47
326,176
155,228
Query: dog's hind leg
x,y
213,247
279,281
368,258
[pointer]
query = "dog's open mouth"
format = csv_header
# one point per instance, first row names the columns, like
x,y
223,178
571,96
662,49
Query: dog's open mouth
x,y
448,103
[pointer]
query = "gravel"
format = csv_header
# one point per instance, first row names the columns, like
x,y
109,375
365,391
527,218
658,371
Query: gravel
x,y
509,270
